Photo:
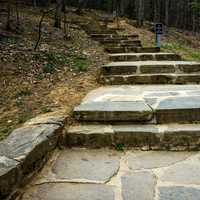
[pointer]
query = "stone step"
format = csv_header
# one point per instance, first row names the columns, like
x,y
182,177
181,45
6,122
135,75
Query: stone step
x,y
113,111
113,41
147,137
100,37
144,56
150,67
117,28
126,47
102,32
150,79
158,104
132,50
106,20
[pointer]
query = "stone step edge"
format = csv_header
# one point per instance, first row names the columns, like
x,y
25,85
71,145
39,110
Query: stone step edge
x,y
112,35
133,50
25,151
168,69
143,57
101,111
164,78
171,137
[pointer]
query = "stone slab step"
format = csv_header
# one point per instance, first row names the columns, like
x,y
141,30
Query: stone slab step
x,y
114,41
146,137
106,20
113,111
125,47
102,32
132,50
144,56
150,79
150,67
100,37
117,28
157,104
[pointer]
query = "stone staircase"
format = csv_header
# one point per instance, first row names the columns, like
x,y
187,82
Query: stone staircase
x,y
146,117
137,111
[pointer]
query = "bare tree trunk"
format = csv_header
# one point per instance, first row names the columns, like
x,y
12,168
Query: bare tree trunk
x,y
35,3
17,14
40,27
140,12
167,12
58,14
40,30
193,23
8,25
156,10
65,21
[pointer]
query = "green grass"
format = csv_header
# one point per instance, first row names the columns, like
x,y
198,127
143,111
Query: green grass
x,y
24,92
49,68
80,64
186,52
4,132
173,46
51,60
119,147
46,109
10,40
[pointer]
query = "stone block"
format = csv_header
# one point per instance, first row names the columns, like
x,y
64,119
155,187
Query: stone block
x,y
113,111
29,145
10,175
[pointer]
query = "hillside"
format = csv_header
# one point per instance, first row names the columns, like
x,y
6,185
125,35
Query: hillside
x,y
61,71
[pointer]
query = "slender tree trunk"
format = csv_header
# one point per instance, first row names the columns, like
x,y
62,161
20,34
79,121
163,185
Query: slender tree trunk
x,y
8,25
35,3
58,14
157,10
167,12
140,12
17,14
40,30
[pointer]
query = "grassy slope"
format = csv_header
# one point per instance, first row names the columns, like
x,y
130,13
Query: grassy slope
x,y
181,42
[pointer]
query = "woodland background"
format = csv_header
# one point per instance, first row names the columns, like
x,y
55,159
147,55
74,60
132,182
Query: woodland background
x,y
182,14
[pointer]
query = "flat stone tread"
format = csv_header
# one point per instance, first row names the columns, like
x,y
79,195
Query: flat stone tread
x,y
140,175
179,193
175,103
140,54
139,92
134,186
113,35
151,63
77,164
154,74
137,106
70,191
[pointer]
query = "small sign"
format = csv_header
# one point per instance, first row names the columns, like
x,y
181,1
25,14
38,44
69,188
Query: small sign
x,y
159,28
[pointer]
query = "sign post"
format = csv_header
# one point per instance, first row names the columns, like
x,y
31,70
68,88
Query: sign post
x,y
159,32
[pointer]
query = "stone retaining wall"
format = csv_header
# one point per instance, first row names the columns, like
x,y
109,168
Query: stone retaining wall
x,y
26,150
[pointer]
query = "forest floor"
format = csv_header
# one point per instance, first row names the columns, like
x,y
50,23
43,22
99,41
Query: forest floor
x,y
55,77
60,72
